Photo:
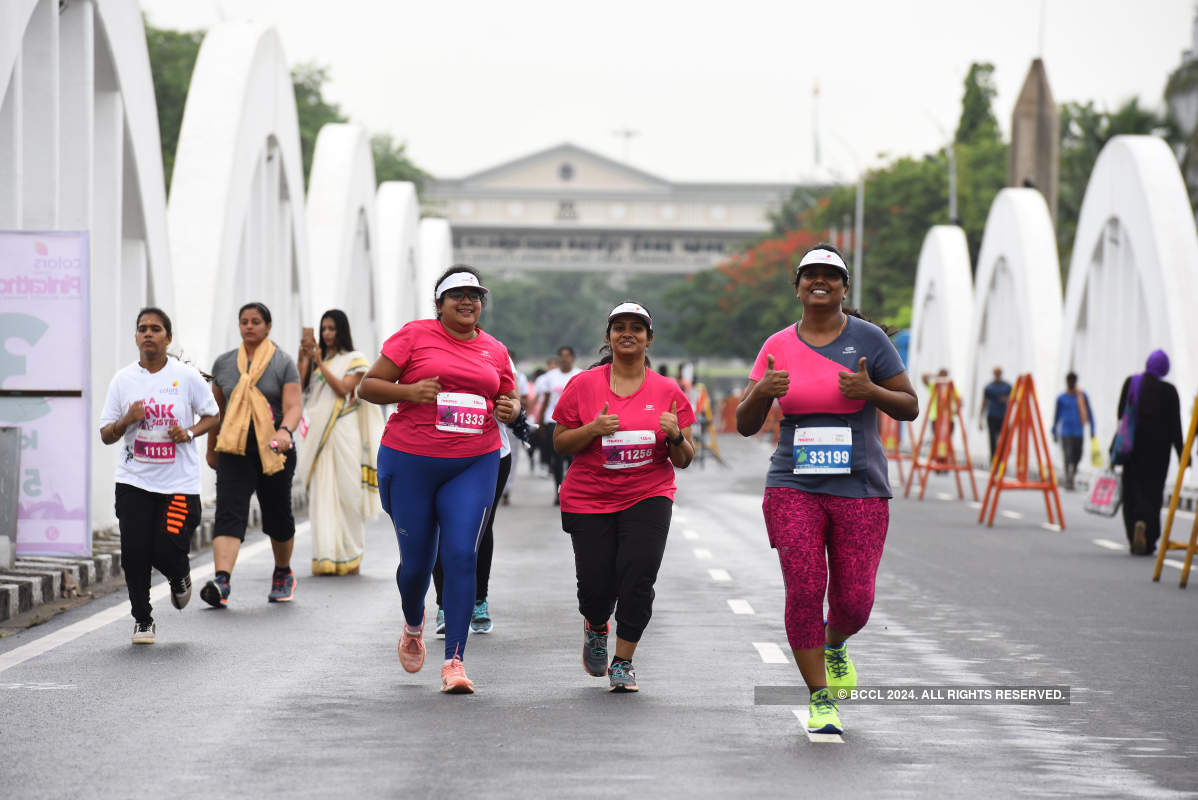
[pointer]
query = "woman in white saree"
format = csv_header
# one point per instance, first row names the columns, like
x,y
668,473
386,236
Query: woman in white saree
x,y
338,447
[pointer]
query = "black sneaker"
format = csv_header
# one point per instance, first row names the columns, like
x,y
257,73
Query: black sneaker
x,y
143,632
594,649
282,587
216,592
181,591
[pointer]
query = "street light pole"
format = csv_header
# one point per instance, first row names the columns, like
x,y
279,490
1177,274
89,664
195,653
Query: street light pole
x,y
859,239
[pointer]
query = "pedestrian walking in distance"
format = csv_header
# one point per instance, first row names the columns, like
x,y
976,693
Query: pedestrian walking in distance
x,y
1156,412
1069,422
151,409
628,428
827,492
994,408
258,391
452,384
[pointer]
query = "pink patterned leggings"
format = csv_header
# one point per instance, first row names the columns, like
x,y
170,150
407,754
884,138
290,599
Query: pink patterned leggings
x,y
851,531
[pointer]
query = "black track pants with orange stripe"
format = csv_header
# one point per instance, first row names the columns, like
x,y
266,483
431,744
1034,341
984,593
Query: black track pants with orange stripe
x,y
156,534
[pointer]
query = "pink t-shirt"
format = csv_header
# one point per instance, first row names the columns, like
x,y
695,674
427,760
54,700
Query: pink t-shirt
x,y
616,472
814,378
471,373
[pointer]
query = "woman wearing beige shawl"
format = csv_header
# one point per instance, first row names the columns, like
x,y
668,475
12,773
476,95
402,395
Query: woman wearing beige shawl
x,y
338,448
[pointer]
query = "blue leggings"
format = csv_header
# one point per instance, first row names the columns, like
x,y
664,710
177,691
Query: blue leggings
x,y
424,495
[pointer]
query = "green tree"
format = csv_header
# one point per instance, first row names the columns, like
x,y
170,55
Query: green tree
x,y
172,58
313,109
977,112
391,162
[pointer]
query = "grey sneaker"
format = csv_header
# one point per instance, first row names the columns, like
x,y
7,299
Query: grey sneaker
x,y
622,677
282,588
440,623
181,591
480,620
143,632
594,649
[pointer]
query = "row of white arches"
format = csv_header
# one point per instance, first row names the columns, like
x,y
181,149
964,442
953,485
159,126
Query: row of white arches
x,y
80,149
1131,288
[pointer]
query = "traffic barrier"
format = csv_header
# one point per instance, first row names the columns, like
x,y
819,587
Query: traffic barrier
x,y
942,456
1022,424
889,430
1165,544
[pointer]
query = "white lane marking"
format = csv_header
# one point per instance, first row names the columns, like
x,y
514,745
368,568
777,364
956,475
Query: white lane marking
x,y
739,606
19,655
1185,514
719,575
975,505
943,496
770,653
679,516
689,534
1175,564
819,738
1011,514
1108,544
702,554
1048,526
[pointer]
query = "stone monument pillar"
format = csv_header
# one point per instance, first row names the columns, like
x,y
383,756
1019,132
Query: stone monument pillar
x,y
1034,159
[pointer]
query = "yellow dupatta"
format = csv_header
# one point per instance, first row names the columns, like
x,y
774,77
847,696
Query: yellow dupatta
x,y
247,405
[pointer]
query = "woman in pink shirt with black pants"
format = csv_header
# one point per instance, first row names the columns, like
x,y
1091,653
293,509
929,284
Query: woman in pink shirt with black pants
x,y
627,428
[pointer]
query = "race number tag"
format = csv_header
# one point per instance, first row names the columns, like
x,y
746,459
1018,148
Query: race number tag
x,y
823,451
153,447
628,449
458,412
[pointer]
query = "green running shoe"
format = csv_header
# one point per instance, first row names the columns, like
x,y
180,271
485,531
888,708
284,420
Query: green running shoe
x,y
822,716
440,630
480,619
839,669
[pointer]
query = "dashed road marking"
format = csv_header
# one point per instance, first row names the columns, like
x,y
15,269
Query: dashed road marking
x,y
1109,545
943,496
1011,514
719,575
770,653
975,505
739,606
703,554
818,738
1048,526
690,534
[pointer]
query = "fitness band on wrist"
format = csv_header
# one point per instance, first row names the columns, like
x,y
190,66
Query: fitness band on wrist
x,y
678,441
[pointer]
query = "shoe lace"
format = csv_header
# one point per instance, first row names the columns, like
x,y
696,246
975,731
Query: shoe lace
x,y
143,627
596,640
455,668
823,704
622,670
838,662
481,610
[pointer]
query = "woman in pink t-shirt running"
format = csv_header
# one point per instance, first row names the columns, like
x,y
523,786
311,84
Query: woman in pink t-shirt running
x,y
827,490
627,428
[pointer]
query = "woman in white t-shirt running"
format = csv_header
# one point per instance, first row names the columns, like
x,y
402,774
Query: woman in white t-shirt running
x,y
151,411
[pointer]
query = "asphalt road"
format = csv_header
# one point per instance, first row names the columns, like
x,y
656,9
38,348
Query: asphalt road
x,y
308,699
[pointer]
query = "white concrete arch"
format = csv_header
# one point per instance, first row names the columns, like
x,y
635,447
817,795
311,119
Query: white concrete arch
x,y
80,150
436,256
1132,286
1017,299
236,213
398,287
942,308
343,232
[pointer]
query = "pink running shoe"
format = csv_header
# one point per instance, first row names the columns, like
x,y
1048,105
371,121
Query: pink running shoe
x,y
454,680
411,649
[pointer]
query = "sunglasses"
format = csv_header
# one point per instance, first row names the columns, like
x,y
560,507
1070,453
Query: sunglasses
x,y
458,294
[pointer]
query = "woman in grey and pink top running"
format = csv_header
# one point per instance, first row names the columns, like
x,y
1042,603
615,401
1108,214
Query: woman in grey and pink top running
x,y
827,492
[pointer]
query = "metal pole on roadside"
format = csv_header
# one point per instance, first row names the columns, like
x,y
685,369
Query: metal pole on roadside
x,y
858,240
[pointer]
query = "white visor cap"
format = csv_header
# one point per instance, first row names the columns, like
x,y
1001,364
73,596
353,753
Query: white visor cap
x,y
636,309
456,281
819,256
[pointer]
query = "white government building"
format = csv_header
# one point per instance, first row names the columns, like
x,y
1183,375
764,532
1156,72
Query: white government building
x,y
566,208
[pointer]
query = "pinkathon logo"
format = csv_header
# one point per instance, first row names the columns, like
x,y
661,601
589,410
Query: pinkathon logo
x,y
40,248
52,533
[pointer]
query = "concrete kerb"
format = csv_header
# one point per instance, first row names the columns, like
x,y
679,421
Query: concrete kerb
x,y
37,580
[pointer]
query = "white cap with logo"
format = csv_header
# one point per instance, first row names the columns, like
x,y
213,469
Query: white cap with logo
x,y
818,255
636,309
456,281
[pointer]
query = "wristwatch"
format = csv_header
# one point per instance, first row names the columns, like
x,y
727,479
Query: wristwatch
x,y
678,441
190,435
290,432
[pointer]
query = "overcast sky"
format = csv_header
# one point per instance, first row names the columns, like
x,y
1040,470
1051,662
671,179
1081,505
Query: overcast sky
x,y
716,91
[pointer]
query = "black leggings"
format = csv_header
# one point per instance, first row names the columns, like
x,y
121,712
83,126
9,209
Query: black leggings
x,y
156,534
238,477
486,545
616,558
